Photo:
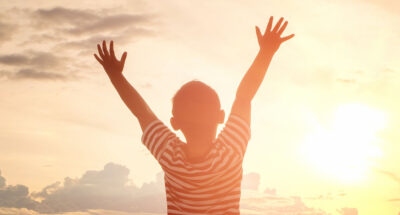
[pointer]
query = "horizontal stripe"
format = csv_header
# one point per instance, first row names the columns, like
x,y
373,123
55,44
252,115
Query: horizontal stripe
x,y
231,168
218,164
208,187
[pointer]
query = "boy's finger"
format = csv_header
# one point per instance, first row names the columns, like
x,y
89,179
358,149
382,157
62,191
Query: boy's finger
x,y
283,28
259,36
269,26
112,50
278,25
123,58
105,49
287,38
100,51
98,59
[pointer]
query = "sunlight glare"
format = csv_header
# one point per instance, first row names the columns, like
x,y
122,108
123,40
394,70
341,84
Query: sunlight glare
x,y
346,150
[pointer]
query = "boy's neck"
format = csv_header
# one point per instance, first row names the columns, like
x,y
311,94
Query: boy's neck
x,y
196,150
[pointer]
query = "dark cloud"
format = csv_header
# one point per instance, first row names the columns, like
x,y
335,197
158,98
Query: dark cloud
x,y
5,74
15,196
251,181
33,74
110,23
45,60
61,15
6,31
2,181
89,44
79,22
348,211
14,59
91,24
61,32
40,60
35,65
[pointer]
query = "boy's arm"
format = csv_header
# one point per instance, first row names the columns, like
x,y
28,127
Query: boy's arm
x,y
126,91
269,44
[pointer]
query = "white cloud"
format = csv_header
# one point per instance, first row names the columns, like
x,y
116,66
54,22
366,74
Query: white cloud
x,y
110,191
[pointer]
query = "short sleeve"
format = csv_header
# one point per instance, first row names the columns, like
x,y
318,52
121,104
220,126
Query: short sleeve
x,y
156,137
236,134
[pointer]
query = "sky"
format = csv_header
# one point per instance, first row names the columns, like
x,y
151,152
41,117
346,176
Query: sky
x,y
325,121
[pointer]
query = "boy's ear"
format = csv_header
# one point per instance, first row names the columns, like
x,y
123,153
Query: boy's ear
x,y
174,123
221,116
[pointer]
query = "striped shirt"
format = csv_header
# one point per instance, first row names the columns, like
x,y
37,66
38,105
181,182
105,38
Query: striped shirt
x,y
208,187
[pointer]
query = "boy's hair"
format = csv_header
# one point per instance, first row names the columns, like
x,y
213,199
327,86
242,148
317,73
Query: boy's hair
x,y
195,93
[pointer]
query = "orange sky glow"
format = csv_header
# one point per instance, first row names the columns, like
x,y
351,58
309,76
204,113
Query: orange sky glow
x,y
325,122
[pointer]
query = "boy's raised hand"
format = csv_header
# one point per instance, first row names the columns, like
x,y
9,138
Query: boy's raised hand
x,y
107,59
271,40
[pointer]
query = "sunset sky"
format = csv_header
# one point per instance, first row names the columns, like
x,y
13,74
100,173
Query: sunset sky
x,y
325,122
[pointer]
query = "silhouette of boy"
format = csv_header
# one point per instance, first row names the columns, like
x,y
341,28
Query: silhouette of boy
x,y
203,175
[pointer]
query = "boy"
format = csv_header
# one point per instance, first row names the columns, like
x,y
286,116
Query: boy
x,y
203,175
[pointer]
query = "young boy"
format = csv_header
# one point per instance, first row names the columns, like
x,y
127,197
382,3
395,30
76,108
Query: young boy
x,y
203,175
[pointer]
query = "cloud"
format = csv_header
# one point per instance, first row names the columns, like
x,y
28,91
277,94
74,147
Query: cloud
x,y
62,32
251,181
270,191
41,60
110,23
274,205
35,65
15,196
24,211
328,196
14,59
67,22
110,191
61,15
79,22
88,45
6,31
394,200
19,211
107,189
348,211
32,74
391,175
2,181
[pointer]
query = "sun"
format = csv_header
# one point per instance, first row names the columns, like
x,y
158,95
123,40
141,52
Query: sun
x,y
347,148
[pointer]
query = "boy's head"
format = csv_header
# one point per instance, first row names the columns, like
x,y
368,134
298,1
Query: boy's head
x,y
195,108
